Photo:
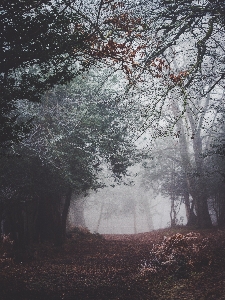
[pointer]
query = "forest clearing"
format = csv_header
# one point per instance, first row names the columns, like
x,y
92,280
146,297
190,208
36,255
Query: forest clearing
x,y
163,264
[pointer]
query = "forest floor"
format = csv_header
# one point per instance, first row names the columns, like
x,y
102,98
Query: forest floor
x,y
163,264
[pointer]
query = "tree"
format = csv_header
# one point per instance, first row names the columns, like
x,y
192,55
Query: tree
x,y
184,52
199,175
214,155
73,136
162,173
44,43
37,51
184,69
171,23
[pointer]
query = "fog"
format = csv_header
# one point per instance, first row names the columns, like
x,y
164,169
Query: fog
x,y
125,209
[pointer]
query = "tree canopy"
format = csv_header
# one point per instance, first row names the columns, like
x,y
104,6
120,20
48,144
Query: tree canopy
x,y
60,125
44,43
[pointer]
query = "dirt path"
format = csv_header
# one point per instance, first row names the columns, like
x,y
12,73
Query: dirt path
x,y
110,268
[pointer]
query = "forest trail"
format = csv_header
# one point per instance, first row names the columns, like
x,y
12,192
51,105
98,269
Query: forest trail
x,y
163,264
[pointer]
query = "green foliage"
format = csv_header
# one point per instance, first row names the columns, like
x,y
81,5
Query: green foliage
x,y
75,135
37,51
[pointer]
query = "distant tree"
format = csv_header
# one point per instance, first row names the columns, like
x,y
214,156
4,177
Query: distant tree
x,y
186,57
162,172
191,166
214,155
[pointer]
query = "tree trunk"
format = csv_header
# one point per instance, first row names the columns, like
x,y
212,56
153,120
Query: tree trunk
x,y
203,216
220,203
200,194
195,183
189,207
65,213
60,233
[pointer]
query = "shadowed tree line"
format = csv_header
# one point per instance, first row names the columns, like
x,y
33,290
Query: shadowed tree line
x,y
71,140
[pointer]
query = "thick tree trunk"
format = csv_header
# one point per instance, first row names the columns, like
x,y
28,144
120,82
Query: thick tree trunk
x,y
204,220
195,183
200,194
65,213
60,234
46,220
191,216
220,210
203,216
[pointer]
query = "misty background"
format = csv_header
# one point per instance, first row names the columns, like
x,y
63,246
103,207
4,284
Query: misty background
x,y
125,208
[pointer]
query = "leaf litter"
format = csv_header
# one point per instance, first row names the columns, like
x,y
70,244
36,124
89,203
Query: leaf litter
x,y
163,264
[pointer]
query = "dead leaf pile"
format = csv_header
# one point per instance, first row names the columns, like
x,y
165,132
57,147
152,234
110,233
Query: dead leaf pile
x,y
181,253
